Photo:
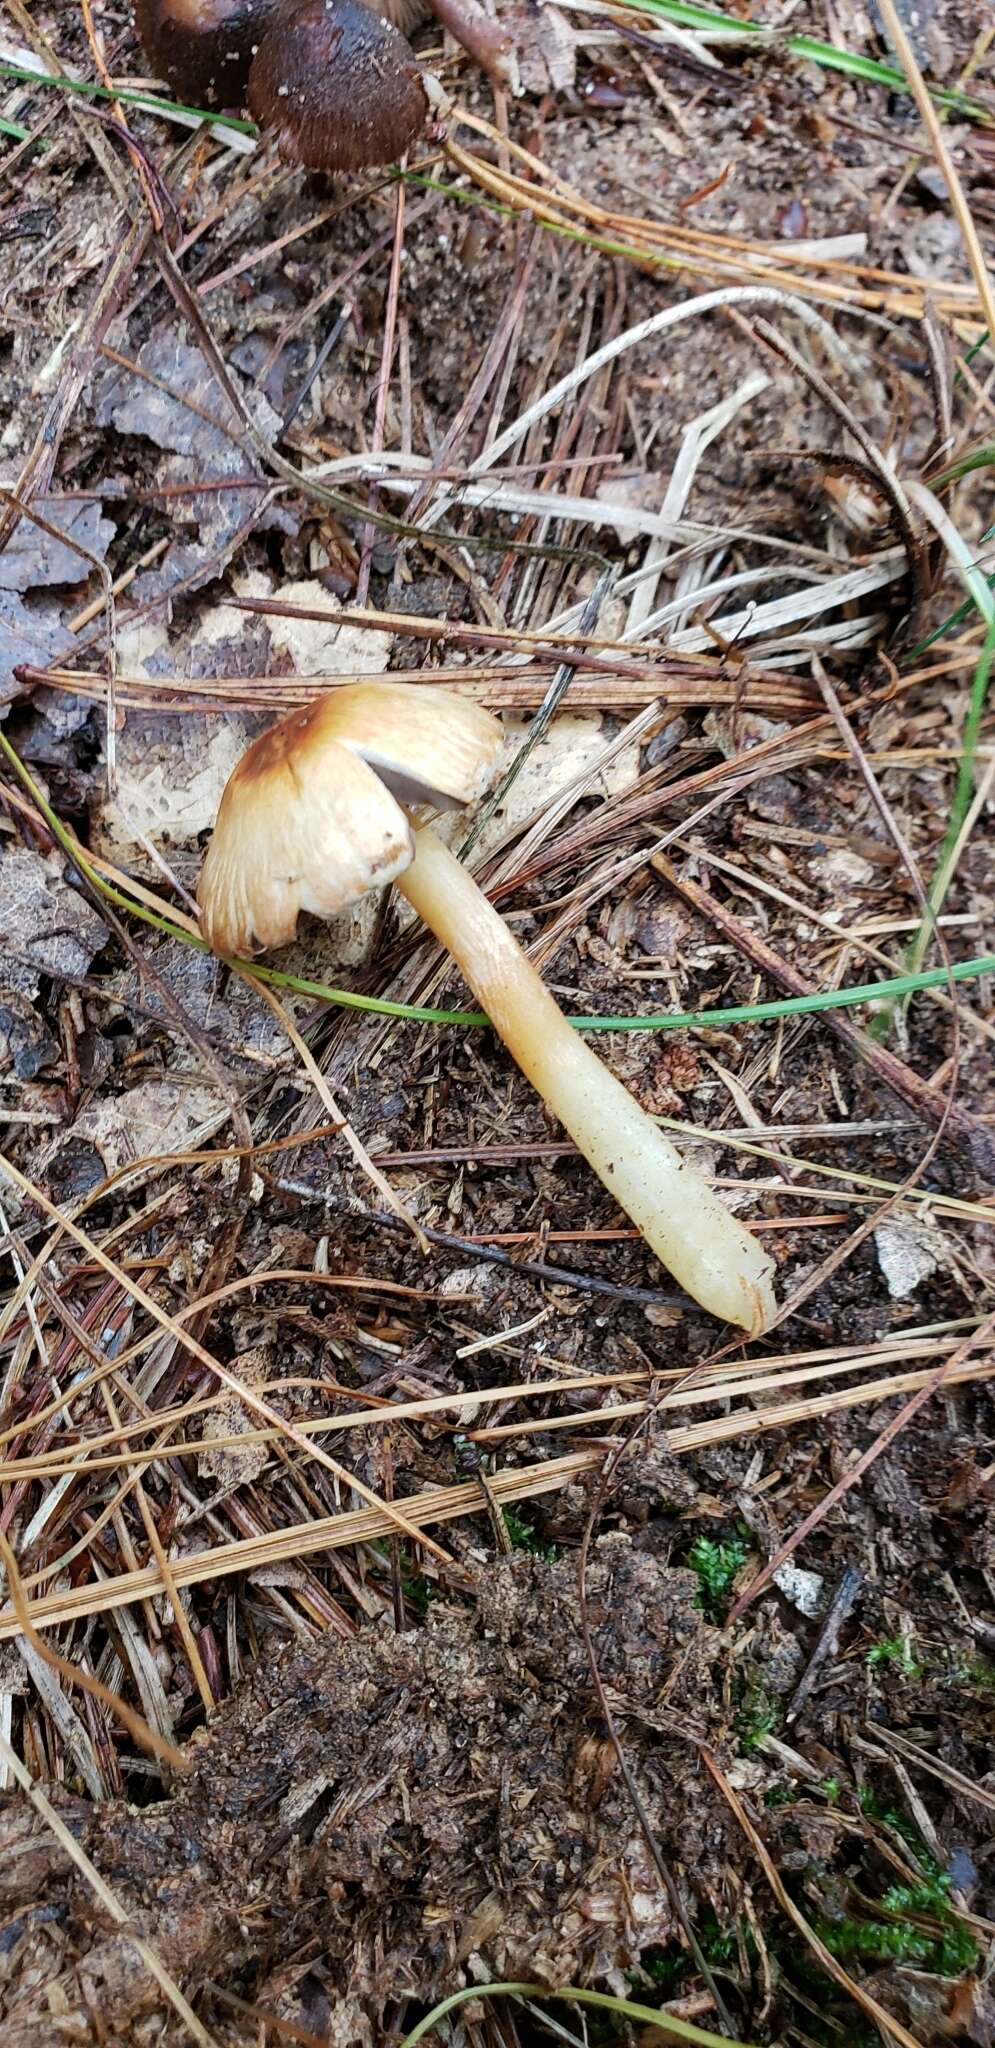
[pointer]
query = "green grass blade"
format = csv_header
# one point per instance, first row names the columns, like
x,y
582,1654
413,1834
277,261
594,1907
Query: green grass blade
x,y
956,618
686,15
149,101
683,12
963,794
664,1020
623,2008
981,458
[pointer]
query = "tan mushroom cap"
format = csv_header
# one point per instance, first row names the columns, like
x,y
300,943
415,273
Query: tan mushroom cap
x,y
310,818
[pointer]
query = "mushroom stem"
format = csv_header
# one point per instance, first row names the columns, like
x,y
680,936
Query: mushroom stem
x,y
487,42
693,1234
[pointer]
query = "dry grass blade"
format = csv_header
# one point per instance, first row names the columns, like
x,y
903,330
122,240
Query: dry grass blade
x,y
937,1767
245,1394
138,1729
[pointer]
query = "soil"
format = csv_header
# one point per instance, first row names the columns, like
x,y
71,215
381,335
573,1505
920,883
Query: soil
x,y
397,1777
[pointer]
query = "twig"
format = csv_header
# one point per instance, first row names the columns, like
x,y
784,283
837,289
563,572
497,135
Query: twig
x,y
562,679
533,1269
839,1608
383,383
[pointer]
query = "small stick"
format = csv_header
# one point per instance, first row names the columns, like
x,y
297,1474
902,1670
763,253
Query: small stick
x,y
532,1269
839,1607
383,386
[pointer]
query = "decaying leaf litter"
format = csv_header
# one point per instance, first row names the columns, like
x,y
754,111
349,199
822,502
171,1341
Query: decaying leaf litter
x,y
682,424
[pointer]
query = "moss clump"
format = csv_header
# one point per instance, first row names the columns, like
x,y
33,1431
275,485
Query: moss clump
x,y
715,1566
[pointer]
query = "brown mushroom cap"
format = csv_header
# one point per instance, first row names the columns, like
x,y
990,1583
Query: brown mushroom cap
x,y
337,86
308,820
204,48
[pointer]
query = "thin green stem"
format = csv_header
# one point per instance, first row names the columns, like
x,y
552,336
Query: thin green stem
x,y
88,89
624,2008
683,12
956,618
664,1020
982,458
687,15
962,798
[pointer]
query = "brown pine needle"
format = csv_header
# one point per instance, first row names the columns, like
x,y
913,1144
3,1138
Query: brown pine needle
x,y
886,2021
245,1394
137,1727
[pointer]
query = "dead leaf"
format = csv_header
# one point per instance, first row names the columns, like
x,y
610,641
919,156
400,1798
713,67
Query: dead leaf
x,y
34,558
47,927
157,1116
33,637
25,1044
320,647
179,405
545,45
908,1253
842,869
170,776
238,1021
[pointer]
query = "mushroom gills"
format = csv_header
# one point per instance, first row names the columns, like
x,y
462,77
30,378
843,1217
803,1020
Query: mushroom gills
x,y
310,819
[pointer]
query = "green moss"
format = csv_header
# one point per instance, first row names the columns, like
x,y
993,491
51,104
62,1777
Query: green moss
x,y
522,1536
893,1930
779,1794
667,1968
945,1950
978,1672
759,1715
715,1566
898,1651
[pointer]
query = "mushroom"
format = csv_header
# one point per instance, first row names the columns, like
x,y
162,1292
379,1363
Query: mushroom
x,y
318,811
337,86
204,48
334,80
